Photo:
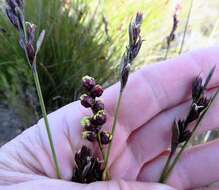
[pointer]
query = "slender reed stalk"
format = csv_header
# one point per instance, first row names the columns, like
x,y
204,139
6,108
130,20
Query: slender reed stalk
x,y
135,43
166,167
43,109
31,47
116,114
186,27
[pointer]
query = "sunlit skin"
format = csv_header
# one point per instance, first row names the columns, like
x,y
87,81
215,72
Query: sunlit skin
x,y
155,95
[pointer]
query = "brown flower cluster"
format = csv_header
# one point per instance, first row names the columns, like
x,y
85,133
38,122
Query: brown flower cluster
x,y
92,125
88,167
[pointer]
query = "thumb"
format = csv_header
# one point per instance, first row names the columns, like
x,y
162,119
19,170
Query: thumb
x,y
65,185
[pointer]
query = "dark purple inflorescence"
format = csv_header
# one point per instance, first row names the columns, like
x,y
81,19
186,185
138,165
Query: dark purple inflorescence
x,y
200,102
92,125
14,12
135,43
88,167
27,31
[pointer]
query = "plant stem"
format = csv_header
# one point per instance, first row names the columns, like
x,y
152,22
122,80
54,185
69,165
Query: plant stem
x,y
186,28
166,166
167,52
40,96
112,132
101,146
185,144
168,172
102,152
42,105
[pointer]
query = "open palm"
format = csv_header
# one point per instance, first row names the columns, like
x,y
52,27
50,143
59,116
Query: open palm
x,y
154,97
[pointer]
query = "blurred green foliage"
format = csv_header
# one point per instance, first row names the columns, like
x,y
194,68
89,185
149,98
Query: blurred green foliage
x,y
202,31
76,44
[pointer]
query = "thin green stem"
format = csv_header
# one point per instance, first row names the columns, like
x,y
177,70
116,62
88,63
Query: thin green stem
x,y
166,167
103,154
168,172
100,146
112,132
42,105
186,28
186,143
43,109
167,52
40,96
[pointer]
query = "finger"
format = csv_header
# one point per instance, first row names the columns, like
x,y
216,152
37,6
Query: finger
x,y
160,86
64,185
154,137
197,167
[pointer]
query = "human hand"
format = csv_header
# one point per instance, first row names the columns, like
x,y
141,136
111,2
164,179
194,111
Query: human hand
x,y
153,98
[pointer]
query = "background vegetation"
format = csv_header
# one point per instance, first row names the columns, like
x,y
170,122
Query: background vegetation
x,y
75,45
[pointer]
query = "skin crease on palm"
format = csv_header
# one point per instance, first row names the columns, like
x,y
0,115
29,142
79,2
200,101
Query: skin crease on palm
x,y
155,95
